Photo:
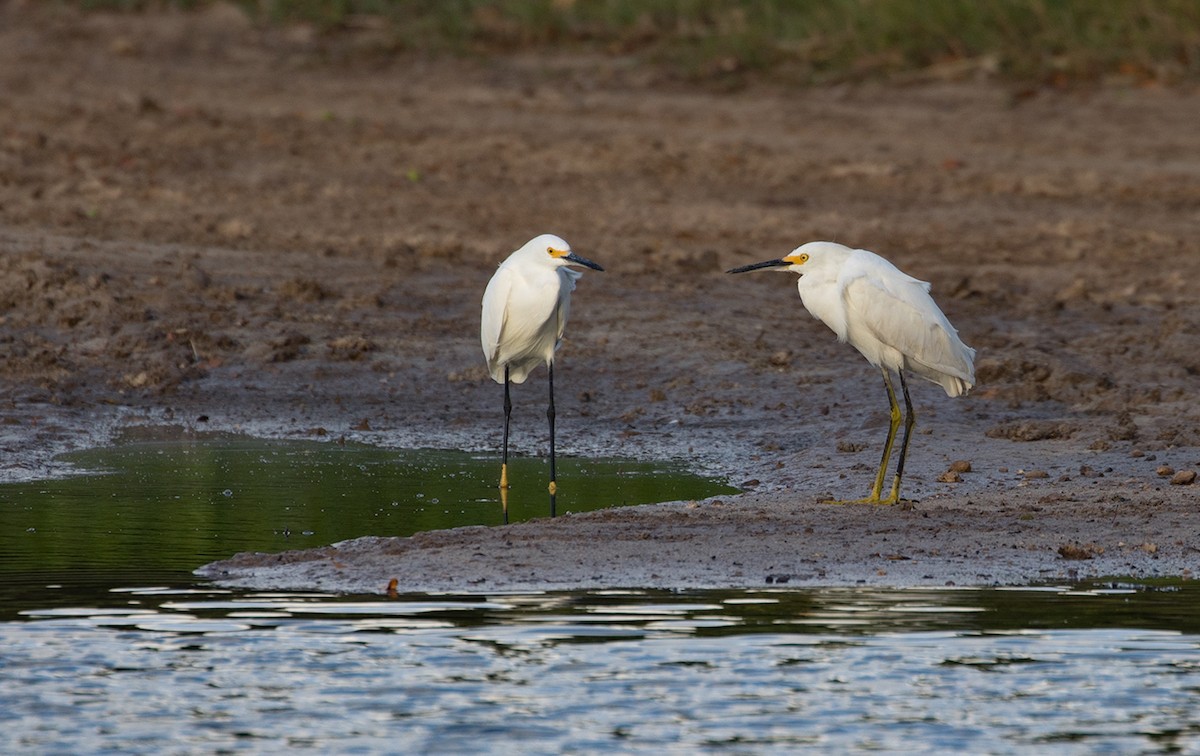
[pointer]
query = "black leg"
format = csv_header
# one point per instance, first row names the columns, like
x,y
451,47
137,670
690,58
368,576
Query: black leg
x,y
909,422
550,417
507,417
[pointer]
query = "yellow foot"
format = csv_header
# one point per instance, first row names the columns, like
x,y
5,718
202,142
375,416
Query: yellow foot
x,y
553,488
870,500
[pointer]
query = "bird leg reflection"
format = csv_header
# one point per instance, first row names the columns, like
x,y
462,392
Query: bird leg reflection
x,y
550,417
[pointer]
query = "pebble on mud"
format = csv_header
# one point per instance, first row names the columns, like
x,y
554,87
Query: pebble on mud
x,y
351,347
960,466
1031,474
1165,470
1079,551
235,228
950,476
1184,478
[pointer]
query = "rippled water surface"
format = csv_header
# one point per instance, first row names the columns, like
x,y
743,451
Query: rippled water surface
x,y
107,644
167,670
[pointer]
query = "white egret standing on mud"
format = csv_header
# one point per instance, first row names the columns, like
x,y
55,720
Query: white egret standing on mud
x,y
525,309
889,317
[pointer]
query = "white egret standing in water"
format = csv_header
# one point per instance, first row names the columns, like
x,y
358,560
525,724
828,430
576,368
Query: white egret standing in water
x,y
889,317
525,309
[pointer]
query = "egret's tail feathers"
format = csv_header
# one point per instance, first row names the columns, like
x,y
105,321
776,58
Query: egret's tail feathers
x,y
952,367
955,386
955,379
518,370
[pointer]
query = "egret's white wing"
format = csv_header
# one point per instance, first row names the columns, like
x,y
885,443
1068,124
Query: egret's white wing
x,y
524,313
894,309
495,311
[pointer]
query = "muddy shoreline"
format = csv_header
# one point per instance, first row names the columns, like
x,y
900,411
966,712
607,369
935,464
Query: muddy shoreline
x,y
210,227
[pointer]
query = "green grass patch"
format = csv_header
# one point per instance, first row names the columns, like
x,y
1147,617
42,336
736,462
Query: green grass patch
x,y
813,40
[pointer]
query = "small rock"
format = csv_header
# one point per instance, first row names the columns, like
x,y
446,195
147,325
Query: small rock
x,y
960,466
782,358
124,46
304,290
1031,474
350,347
138,380
1076,291
235,228
1184,478
950,476
1165,470
1079,551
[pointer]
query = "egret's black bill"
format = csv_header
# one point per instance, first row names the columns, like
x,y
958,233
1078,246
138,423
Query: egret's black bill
x,y
583,261
760,266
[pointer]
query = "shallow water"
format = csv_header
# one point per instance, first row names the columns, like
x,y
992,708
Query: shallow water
x,y
107,643
151,512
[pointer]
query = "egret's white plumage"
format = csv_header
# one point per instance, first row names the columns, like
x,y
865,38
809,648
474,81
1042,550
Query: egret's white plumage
x,y
889,317
884,313
525,308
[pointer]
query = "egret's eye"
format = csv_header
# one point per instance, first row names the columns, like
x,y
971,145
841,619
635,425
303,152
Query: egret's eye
x,y
557,252
804,257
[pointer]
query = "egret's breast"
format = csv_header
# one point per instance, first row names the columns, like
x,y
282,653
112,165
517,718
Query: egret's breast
x,y
824,302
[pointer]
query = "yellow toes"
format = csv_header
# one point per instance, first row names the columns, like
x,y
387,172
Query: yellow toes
x,y
868,500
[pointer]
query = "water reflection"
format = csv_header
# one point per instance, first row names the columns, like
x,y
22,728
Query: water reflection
x,y
1086,669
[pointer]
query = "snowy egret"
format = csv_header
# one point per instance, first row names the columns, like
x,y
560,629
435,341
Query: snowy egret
x,y
525,310
889,317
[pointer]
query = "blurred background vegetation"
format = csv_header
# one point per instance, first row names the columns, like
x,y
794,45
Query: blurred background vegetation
x,y
813,40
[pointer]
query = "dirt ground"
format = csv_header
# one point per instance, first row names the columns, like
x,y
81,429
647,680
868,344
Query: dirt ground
x,y
210,226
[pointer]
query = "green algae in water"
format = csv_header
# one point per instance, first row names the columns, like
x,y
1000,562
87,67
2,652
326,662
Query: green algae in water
x,y
172,506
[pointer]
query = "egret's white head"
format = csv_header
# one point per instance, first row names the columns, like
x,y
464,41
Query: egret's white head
x,y
554,251
806,258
